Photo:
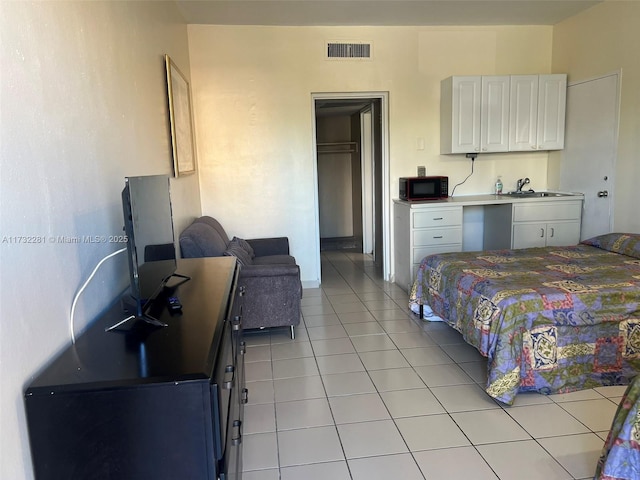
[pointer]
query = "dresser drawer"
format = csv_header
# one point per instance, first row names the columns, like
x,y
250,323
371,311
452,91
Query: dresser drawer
x,y
437,236
546,211
420,253
437,217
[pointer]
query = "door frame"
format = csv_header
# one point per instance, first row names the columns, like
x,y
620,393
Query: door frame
x,y
384,133
616,133
368,179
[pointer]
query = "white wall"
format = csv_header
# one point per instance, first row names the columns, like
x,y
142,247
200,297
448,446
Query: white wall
x,y
252,90
83,104
599,41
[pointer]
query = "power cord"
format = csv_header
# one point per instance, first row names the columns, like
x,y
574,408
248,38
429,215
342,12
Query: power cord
x,y
75,300
472,156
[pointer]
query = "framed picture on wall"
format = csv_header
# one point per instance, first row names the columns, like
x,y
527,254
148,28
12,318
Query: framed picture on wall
x,y
181,120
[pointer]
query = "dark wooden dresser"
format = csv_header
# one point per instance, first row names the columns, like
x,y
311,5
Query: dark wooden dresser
x,y
148,403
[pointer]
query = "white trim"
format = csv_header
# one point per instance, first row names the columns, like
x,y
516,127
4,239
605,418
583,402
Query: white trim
x,y
368,191
386,202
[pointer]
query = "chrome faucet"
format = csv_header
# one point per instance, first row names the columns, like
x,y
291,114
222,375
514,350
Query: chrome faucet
x,y
521,183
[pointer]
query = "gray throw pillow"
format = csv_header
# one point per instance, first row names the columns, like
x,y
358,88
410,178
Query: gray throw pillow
x,y
245,246
235,250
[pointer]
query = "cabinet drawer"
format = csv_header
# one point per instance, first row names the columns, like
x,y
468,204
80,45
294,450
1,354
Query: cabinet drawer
x,y
420,253
546,211
437,236
435,218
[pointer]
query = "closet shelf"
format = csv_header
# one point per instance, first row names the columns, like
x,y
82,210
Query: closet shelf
x,y
337,147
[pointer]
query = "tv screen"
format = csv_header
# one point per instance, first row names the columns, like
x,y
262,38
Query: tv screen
x,y
148,223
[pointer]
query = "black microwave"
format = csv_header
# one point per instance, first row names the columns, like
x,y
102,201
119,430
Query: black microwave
x,y
424,188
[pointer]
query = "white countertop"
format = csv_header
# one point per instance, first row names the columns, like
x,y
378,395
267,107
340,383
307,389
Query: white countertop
x,y
492,199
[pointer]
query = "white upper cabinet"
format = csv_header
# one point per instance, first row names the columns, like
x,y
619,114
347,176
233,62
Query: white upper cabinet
x,y
537,112
552,104
494,114
506,113
460,114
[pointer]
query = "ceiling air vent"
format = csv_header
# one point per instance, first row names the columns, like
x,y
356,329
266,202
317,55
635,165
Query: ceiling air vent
x,y
348,50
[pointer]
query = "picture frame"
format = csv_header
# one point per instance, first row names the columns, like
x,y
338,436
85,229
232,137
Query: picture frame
x,y
181,120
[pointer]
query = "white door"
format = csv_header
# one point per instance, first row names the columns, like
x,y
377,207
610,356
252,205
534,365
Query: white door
x,y
588,159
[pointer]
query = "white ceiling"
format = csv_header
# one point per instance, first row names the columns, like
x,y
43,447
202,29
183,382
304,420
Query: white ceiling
x,y
381,12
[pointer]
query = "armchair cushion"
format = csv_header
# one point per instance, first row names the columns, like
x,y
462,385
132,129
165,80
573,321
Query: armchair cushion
x,y
275,260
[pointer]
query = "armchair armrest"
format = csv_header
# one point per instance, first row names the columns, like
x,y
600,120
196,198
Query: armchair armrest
x,y
270,246
272,297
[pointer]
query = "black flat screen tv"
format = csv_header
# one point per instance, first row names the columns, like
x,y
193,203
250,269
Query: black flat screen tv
x,y
148,225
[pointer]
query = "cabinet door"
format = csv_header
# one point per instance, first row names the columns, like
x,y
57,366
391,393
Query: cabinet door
x,y
552,100
563,233
460,115
527,235
494,114
523,113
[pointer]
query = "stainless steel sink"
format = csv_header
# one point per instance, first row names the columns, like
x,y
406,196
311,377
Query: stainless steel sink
x,y
538,194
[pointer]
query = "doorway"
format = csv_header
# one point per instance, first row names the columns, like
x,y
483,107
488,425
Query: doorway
x,y
351,170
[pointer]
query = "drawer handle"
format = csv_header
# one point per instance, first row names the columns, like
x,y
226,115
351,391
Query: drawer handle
x,y
438,218
245,396
237,322
438,236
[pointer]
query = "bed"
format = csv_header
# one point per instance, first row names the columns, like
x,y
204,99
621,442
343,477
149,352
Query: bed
x,y
551,320
620,458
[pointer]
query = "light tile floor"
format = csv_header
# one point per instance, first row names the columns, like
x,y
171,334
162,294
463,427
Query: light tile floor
x,y
367,391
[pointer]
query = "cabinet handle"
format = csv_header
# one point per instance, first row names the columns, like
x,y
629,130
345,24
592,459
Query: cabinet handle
x,y
533,147
542,233
228,384
245,395
243,348
552,232
242,290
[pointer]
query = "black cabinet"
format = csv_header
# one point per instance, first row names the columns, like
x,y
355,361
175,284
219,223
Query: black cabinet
x,y
144,402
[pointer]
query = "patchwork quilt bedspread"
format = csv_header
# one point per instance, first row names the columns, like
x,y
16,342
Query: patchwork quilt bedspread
x,y
552,319
620,458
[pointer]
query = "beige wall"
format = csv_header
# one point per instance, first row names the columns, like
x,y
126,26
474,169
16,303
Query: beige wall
x,y
83,104
602,40
252,89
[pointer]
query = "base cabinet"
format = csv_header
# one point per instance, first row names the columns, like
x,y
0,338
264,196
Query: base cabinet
x,y
546,225
421,230
545,234
148,403
442,226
